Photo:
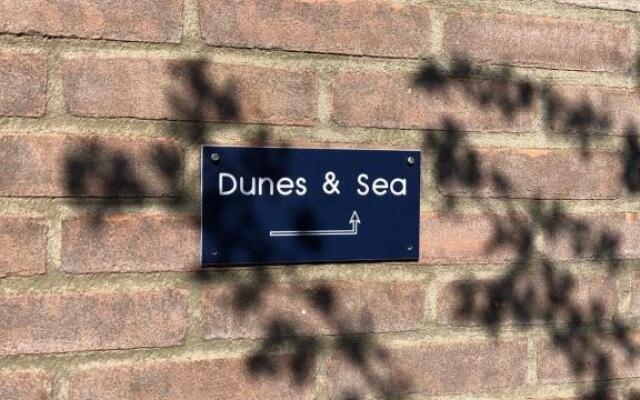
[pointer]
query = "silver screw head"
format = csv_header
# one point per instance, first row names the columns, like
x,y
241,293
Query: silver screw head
x,y
411,160
215,157
409,247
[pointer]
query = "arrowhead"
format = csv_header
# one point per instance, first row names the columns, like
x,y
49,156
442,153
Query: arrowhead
x,y
355,219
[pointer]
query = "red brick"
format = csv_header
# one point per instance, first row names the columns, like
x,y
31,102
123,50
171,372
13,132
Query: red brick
x,y
235,311
354,27
23,245
543,174
57,323
529,299
25,385
556,366
188,90
433,369
130,243
382,100
23,84
194,380
539,41
465,238
61,166
130,20
595,236
584,109
605,4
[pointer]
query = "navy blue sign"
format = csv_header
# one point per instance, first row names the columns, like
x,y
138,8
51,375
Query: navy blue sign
x,y
281,205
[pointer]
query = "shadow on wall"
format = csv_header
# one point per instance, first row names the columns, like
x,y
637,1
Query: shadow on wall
x,y
531,290
113,182
113,176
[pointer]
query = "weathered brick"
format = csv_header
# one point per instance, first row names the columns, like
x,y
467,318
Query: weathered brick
x,y
586,358
539,41
612,397
601,236
130,243
240,311
57,323
188,90
535,173
579,110
231,379
354,27
23,84
130,20
434,369
626,5
61,166
467,238
634,308
25,385
382,100
23,245
527,299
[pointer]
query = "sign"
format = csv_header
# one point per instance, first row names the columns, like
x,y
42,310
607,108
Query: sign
x,y
283,205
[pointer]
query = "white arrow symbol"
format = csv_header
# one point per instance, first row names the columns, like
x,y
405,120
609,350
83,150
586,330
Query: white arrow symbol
x,y
354,221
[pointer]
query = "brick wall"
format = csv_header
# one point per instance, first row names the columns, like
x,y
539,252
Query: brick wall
x,y
528,284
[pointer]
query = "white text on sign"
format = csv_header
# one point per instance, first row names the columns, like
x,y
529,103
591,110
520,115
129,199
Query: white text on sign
x,y
229,184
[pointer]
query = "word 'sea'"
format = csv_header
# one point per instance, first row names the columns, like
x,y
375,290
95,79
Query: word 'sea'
x,y
380,186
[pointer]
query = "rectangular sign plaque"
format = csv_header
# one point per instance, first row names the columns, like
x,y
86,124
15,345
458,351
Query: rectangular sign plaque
x,y
283,205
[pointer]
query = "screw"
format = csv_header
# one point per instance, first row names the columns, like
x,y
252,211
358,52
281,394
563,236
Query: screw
x,y
411,160
215,158
214,252
409,247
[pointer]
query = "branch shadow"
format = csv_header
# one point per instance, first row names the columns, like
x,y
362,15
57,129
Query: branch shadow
x,y
533,290
104,181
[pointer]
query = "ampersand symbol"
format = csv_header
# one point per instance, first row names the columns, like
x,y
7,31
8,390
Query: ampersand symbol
x,y
330,185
